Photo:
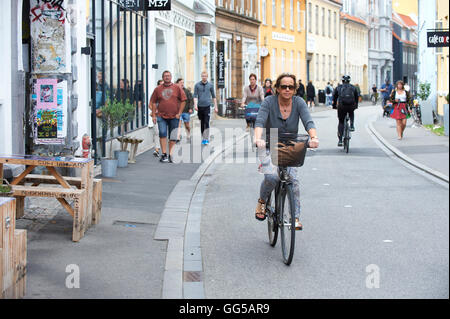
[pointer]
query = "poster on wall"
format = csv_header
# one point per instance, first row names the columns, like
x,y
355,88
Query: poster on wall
x,y
49,31
50,103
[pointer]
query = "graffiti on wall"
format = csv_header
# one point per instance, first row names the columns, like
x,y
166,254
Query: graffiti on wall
x,y
49,32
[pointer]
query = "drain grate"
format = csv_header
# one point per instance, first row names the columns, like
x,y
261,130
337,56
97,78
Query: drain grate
x,y
132,224
192,276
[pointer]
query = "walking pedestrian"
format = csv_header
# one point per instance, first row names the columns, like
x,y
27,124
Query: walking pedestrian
x,y
188,109
155,127
252,93
386,90
329,94
301,90
203,94
401,100
171,101
358,89
267,88
310,95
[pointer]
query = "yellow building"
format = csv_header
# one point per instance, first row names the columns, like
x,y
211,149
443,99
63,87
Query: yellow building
x,y
323,42
406,7
282,38
442,57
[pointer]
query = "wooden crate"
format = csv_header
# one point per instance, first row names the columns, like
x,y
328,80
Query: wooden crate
x,y
13,246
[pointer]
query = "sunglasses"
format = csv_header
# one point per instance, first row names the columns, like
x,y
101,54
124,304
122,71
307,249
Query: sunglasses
x,y
284,87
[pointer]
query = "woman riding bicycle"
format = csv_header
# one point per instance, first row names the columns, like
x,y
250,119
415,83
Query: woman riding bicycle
x,y
252,93
282,111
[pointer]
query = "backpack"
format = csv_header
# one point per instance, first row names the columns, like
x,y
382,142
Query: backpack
x,y
328,90
347,95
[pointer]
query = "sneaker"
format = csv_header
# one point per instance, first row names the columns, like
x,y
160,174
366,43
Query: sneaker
x,y
156,153
203,142
206,142
170,159
340,143
164,158
352,128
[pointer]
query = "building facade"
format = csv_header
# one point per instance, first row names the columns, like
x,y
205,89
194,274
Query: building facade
x,y
404,47
323,42
442,61
282,38
354,43
380,41
237,32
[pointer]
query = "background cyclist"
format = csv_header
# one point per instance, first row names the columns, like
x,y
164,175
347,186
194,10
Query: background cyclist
x,y
252,93
275,112
345,99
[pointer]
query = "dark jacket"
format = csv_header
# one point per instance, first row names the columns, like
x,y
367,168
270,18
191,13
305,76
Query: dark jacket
x,y
301,90
337,93
310,90
409,100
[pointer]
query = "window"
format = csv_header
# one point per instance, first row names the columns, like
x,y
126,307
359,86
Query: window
x,y
323,22
329,23
335,68
299,20
323,67
317,67
283,14
273,61
292,61
438,25
309,17
317,20
335,25
264,11
291,8
298,63
283,60
274,13
220,3
329,68
231,4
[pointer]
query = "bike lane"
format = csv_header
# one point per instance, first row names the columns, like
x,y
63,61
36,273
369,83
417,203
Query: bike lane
x,y
364,227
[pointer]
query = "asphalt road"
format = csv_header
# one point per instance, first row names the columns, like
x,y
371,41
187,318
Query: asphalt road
x,y
372,227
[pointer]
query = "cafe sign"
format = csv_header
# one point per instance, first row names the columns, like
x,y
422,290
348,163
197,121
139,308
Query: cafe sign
x,y
437,39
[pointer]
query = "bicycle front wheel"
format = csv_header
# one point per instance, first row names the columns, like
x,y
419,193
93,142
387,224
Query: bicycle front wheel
x,y
272,225
287,223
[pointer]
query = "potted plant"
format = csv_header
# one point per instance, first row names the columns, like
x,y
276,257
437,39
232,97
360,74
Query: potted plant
x,y
5,189
112,118
127,111
426,107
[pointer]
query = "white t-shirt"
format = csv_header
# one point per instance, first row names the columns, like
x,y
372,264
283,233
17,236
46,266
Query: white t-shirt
x,y
401,97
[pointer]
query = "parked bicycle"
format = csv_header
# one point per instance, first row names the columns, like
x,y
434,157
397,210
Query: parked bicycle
x,y
280,207
416,115
374,98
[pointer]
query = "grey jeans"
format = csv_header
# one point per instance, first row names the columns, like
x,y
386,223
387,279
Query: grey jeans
x,y
270,182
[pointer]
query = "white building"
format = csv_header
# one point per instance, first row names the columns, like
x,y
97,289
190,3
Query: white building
x,y
380,41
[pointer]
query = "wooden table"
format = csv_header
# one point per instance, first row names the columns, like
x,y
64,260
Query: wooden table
x,y
81,210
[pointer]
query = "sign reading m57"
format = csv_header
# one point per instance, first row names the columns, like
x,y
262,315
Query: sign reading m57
x,y
158,5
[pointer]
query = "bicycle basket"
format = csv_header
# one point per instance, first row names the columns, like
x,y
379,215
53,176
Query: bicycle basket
x,y
290,151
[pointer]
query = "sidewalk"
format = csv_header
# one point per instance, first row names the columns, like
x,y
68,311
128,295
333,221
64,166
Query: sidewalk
x,y
429,150
118,258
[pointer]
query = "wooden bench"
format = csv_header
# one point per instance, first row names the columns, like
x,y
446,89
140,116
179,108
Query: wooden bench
x,y
77,210
13,252
133,148
81,211
36,180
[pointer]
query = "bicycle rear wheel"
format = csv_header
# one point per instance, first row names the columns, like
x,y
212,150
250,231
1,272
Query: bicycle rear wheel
x,y
346,138
272,225
287,223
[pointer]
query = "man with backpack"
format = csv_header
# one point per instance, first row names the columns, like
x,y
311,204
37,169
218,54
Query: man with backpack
x,y
345,99
329,94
